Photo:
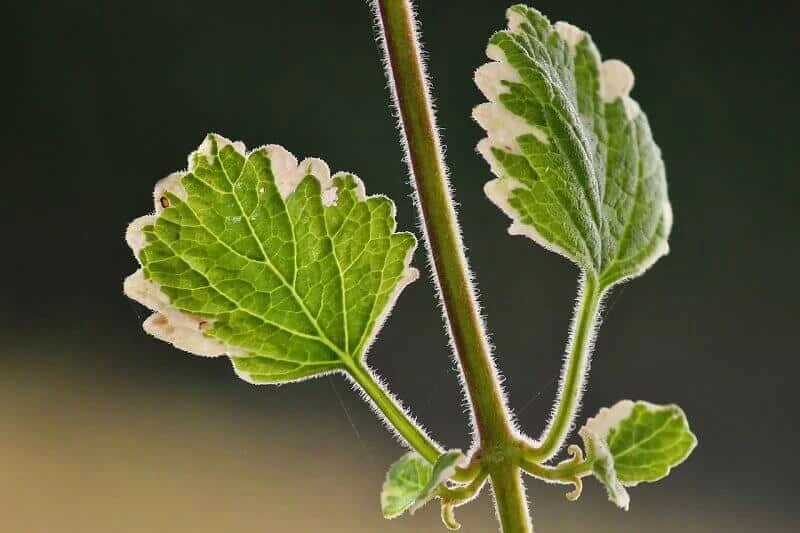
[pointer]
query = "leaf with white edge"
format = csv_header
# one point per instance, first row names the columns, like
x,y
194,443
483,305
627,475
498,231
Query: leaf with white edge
x,y
412,481
443,470
577,168
603,468
284,268
635,442
405,482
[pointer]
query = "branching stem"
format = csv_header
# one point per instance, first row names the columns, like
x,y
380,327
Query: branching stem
x,y
423,151
460,495
563,473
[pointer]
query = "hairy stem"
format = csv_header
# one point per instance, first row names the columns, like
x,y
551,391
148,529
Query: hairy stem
x,y
509,497
395,415
491,418
564,473
460,495
573,376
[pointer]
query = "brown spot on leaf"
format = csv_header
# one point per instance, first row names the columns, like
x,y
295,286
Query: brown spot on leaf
x,y
164,201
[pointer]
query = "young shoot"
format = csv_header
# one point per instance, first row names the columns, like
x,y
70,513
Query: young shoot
x,y
289,271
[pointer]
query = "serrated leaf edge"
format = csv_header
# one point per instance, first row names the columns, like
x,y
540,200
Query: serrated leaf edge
x,y
595,435
610,417
185,331
616,80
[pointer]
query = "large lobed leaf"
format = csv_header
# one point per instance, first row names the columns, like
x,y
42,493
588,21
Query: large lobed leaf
x,y
286,269
577,168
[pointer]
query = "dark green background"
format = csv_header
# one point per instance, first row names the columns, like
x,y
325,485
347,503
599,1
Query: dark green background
x,y
104,98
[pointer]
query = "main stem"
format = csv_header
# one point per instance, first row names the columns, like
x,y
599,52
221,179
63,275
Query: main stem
x,y
575,370
491,418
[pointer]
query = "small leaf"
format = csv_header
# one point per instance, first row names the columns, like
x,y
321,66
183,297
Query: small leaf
x,y
577,168
443,470
636,442
603,468
412,482
286,269
405,482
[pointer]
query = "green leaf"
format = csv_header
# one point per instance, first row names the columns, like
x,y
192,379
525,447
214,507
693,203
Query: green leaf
x,y
603,468
635,442
286,269
412,482
443,470
405,482
577,168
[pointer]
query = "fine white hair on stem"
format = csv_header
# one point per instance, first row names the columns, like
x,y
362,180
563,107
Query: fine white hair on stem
x,y
380,383
455,229
585,356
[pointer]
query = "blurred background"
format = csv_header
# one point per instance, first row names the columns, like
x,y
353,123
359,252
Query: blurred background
x,y
103,429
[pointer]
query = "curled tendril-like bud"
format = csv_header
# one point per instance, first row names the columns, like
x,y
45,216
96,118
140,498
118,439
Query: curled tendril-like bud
x,y
576,454
575,493
449,516
576,458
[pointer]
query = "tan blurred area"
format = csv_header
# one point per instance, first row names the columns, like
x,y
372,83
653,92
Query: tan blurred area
x,y
98,453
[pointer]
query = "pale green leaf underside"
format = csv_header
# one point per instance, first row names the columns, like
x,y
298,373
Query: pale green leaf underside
x,y
442,471
288,270
604,470
577,168
635,442
405,482
412,482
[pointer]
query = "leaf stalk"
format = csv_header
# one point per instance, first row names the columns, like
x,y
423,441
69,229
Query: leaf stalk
x,y
394,414
574,373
